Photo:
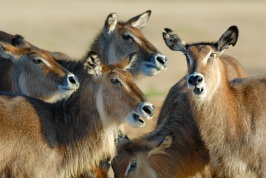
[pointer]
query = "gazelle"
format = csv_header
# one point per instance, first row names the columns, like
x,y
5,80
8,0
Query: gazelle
x,y
231,114
40,139
186,155
34,73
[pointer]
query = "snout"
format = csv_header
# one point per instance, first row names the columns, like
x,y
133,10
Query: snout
x,y
70,82
144,110
196,82
147,110
156,64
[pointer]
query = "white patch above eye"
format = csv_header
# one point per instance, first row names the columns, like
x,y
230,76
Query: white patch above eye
x,y
207,57
44,61
137,40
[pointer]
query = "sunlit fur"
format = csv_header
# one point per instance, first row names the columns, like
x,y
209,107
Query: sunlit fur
x,y
44,80
63,139
187,156
231,118
111,46
125,38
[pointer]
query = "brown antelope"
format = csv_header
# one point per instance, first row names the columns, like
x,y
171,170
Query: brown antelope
x,y
116,40
231,114
186,156
62,139
34,73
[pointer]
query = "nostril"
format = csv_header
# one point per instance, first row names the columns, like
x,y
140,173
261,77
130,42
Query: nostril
x,y
148,109
161,60
199,79
72,79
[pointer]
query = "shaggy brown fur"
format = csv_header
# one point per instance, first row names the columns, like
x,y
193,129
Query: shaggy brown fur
x,y
35,73
230,114
186,156
63,139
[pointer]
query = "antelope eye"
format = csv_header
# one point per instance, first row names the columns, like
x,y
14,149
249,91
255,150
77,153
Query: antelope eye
x,y
116,81
133,166
212,55
127,37
36,60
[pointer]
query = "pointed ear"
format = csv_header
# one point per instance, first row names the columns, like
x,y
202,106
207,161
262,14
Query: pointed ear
x,y
140,21
92,64
110,22
8,51
127,62
18,40
160,144
228,38
173,41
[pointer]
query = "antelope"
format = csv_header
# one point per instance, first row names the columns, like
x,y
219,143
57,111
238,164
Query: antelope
x,y
115,41
231,122
186,155
62,139
34,73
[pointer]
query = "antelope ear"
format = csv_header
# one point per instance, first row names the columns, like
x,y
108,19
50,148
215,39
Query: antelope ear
x,y
228,38
92,64
110,22
173,41
18,40
8,51
160,144
140,21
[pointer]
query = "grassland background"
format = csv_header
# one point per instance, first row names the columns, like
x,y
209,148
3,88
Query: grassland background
x,y
70,26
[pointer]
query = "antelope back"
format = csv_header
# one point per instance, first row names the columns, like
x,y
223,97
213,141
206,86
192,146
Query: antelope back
x,y
118,98
35,73
206,68
117,39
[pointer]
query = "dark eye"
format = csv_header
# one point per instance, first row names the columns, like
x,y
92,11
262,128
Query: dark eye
x,y
127,37
212,55
116,81
133,166
36,60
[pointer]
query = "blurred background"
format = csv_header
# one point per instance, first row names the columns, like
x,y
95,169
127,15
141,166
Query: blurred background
x,y
70,26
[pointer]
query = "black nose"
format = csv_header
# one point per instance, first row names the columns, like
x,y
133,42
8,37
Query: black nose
x,y
195,80
72,79
161,59
149,109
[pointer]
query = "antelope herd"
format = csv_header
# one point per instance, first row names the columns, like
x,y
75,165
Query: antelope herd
x,y
60,117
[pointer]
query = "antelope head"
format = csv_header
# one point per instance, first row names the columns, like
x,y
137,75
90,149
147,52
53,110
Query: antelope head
x,y
203,60
118,99
123,38
135,158
38,74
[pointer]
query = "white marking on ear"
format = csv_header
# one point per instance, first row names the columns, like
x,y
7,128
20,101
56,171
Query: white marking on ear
x,y
112,21
142,21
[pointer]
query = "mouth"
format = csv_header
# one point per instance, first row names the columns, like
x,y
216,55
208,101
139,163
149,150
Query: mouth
x,y
152,66
138,120
198,91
